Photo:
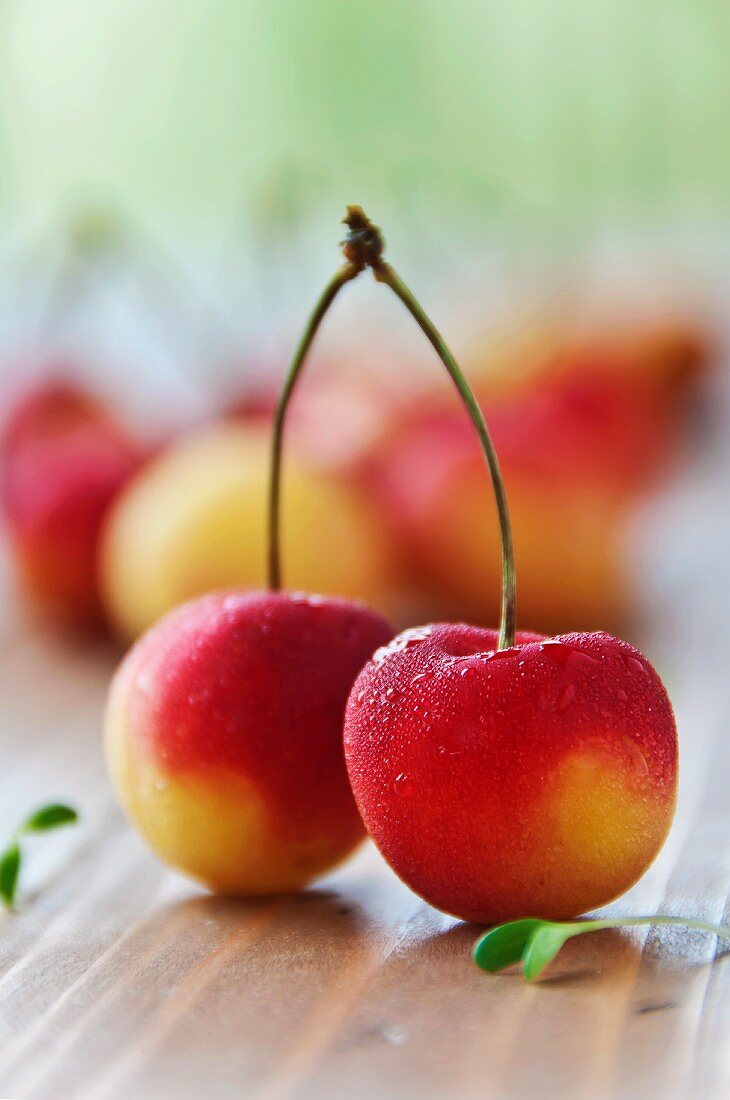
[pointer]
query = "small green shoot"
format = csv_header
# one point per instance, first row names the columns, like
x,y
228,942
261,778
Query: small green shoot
x,y
535,943
9,869
49,817
42,820
504,945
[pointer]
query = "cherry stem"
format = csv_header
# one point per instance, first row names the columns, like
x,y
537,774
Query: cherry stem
x,y
363,247
384,273
345,273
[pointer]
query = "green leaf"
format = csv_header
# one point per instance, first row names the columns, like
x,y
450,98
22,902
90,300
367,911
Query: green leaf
x,y
537,942
49,817
503,946
9,868
543,946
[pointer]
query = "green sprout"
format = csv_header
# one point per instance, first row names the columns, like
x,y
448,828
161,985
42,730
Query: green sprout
x,y
42,820
535,943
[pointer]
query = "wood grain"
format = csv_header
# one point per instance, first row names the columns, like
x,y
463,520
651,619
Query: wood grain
x,y
120,979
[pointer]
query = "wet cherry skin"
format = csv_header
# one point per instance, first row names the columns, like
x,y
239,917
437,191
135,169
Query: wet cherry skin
x,y
538,780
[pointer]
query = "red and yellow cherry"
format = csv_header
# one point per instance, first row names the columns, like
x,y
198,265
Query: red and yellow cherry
x,y
661,359
500,783
64,458
657,359
224,736
224,722
573,458
507,775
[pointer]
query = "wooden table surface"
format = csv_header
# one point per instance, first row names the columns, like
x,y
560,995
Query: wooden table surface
x,y
118,978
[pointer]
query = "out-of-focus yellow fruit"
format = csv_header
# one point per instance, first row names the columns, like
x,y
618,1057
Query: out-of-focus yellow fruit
x,y
194,521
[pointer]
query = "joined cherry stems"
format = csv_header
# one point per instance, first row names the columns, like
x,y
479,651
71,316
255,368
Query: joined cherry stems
x,y
363,247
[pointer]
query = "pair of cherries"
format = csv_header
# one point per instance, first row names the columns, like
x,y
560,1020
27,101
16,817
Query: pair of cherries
x,y
501,774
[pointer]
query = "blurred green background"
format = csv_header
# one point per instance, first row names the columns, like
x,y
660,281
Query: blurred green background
x,y
209,113
552,180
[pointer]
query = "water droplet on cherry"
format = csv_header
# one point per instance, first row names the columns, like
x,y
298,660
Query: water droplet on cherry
x,y
500,654
406,640
556,651
566,698
638,760
401,784
567,656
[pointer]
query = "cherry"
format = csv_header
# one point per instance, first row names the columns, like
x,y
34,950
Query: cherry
x,y
502,783
224,721
506,774
63,457
224,736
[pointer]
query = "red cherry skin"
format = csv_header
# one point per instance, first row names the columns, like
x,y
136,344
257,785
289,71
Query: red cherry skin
x,y
224,736
63,459
534,781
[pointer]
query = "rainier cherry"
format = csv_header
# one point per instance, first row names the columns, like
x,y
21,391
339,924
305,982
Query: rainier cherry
x,y
507,774
194,521
224,722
